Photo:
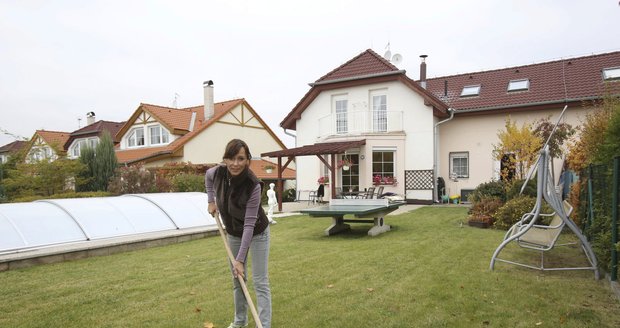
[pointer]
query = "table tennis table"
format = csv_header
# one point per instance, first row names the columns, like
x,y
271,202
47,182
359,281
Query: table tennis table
x,y
376,209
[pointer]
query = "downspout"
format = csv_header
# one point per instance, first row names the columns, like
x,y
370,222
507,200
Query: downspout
x,y
435,154
290,134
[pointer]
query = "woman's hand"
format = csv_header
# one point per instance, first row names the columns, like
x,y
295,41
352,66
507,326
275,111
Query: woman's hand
x,y
238,269
212,209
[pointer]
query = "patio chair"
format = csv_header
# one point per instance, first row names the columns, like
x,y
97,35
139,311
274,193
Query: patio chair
x,y
379,192
369,193
312,198
338,194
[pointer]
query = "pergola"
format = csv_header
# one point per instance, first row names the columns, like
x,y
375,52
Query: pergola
x,y
321,150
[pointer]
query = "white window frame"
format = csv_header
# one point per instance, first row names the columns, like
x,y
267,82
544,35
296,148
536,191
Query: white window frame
x,y
163,137
379,112
341,107
470,90
382,172
611,74
132,135
462,172
76,147
518,85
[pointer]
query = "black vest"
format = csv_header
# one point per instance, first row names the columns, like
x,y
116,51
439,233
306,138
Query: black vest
x,y
232,195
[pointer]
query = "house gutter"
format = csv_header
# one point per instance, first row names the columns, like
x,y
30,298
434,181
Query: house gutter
x,y
435,153
562,101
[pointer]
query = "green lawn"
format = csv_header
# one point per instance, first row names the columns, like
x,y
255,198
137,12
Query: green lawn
x,y
429,271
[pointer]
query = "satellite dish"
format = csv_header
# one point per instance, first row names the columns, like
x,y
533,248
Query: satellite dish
x,y
397,59
387,55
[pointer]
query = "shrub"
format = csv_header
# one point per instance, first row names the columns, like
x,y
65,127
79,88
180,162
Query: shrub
x,y
515,187
132,180
511,212
290,195
185,182
491,189
484,209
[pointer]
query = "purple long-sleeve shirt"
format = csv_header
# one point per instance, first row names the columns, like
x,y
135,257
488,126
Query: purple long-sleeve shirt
x,y
251,213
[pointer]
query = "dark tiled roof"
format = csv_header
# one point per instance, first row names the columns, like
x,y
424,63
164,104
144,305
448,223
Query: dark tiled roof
x,y
365,64
94,129
317,149
363,69
13,146
572,79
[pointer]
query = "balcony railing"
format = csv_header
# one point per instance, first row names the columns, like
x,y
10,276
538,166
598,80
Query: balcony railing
x,y
361,122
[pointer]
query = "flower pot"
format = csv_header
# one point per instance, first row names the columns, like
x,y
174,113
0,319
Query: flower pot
x,y
345,167
455,201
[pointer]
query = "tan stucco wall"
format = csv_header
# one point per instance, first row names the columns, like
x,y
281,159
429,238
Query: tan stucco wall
x,y
478,134
208,147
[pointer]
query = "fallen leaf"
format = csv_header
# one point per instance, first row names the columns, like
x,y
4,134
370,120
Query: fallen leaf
x,y
208,325
330,286
370,289
486,323
562,320
539,323
462,287
197,310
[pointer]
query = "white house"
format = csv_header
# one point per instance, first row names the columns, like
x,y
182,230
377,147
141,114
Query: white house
x,y
48,145
89,135
396,129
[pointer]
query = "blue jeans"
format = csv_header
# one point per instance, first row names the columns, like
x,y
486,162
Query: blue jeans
x,y
259,248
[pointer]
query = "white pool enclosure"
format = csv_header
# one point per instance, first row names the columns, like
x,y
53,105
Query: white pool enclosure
x,y
53,222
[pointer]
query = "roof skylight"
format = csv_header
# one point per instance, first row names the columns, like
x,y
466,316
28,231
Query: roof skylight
x,y
519,85
470,90
611,73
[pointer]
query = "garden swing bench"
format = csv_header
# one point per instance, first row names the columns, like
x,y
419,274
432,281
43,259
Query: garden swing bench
x,y
529,233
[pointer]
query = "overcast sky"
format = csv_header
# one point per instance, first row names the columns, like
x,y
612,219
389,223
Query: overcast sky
x,y
62,59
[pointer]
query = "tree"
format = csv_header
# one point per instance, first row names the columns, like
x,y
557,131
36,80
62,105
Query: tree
x,y
521,144
87,157
611,143
563,132
591,138
105,162
43,178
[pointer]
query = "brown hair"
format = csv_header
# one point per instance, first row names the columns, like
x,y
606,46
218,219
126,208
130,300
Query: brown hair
x,y
234,146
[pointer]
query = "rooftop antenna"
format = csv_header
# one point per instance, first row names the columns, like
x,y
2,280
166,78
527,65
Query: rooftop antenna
x,y
395,59
175,102
79,122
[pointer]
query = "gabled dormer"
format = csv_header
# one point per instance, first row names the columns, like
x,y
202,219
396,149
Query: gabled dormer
x,y
46,145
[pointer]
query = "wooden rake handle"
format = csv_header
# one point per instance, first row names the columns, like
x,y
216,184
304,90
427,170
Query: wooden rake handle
x,y
231,258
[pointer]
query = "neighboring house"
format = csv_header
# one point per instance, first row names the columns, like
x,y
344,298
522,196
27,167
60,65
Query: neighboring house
x,y
89,135
483,101
155,135
46,145
393,128
11,149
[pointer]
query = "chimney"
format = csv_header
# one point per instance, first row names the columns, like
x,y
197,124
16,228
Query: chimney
x,y
423,71
90,118
209,105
